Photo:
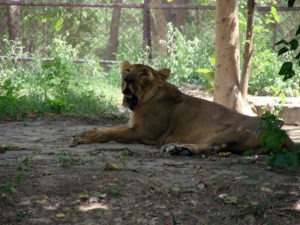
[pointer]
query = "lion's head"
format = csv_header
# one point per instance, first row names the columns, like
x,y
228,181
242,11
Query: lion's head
x,y
140,83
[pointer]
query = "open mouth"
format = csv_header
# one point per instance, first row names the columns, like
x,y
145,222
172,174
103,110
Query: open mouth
x,y
131,100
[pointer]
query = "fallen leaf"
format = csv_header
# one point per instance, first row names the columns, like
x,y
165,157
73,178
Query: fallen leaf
x,y
9,147
224,154
60,215
83,196
228,199
100,195
111,166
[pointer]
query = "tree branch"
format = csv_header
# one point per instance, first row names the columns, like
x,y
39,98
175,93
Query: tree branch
x,y
248,49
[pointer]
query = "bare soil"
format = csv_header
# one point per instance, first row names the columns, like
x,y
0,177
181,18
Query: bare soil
x,y
44,181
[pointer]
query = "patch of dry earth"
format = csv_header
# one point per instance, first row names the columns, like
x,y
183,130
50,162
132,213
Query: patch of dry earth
x,y
44,181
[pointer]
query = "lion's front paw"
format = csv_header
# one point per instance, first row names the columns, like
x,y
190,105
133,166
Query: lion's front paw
x,y
86,137
176,149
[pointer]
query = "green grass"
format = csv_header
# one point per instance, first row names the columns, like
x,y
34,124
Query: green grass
x,y
59,87
37,87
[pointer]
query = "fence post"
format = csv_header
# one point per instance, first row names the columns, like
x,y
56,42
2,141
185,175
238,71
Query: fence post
x,y
147,29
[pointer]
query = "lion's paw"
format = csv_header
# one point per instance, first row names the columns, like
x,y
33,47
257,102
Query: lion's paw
x,y
77,139
84,137
175,149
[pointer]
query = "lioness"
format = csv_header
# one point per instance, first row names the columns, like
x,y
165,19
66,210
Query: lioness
x,y
162,115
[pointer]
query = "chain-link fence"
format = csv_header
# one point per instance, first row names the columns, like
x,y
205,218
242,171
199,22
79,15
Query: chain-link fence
x,y
133,30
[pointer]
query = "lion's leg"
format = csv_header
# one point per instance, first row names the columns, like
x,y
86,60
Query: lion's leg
x,y
236,142
185,149
120,134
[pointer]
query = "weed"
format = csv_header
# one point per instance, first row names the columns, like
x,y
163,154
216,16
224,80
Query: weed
x,y
124,156
93,153
27,160
71,212
7,164
258,210
175,190
21,214
8,187
19,177
152,187
113,190
67,159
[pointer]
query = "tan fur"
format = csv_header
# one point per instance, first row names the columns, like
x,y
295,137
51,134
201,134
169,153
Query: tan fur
x,y
162,115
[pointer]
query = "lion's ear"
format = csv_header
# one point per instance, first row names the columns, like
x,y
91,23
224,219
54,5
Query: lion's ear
x,y
125,65
164,73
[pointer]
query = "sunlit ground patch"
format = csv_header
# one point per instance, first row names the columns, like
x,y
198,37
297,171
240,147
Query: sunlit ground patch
x,y
297,205
92,205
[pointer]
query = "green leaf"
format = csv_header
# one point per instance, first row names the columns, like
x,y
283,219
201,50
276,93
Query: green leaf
x,y
203,70
274,14
282,51
289,75
291,3
287,70
213,59
293,159
294,44
273,139
287,159
281,42
272,160
298,30
209,76
57,24
286,67
298,56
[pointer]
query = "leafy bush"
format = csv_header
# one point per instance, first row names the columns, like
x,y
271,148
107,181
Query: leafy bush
x,y
182,56
264,79
185,56
272,140
57,86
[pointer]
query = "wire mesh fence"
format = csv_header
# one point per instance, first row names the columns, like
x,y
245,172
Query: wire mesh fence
x,y
137,30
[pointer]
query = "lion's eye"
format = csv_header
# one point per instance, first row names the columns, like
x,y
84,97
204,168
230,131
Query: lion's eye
x,y
144,73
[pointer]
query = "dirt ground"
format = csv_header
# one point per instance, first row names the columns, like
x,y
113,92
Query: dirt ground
x,y
44,181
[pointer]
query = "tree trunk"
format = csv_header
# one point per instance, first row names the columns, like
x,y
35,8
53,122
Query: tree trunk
x,y
3,24
159,25
147,28
227,72
180,15
14,22
113,42
248,49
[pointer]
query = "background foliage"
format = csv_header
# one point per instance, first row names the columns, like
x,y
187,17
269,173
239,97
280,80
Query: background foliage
x,y
66,34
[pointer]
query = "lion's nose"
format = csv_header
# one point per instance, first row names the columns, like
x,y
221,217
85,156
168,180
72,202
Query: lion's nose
x,y
129,79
